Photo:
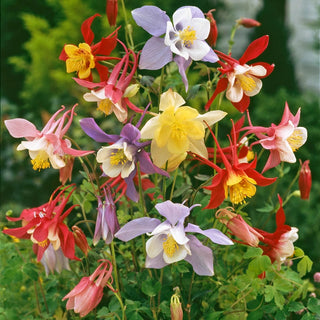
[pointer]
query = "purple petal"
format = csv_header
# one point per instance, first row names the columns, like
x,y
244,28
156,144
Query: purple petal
x,y
172,211
130,132
195,11
147,166
210,57
214,235
136,228
156,262
152,19
90,127
131,191
183,64
155,54
201,257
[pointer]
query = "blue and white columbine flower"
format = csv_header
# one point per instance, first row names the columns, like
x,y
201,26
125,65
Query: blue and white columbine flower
x,y
169,242
185,37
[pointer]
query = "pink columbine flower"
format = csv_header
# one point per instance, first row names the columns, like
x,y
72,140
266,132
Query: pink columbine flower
x,y
87,294
113,94
282,140
241,80
46,147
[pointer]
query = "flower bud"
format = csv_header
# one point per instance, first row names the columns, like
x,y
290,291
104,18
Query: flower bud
x,y
66,171
305,180
112,11
175,307
316,277
213,34
80,240
248,23
131,91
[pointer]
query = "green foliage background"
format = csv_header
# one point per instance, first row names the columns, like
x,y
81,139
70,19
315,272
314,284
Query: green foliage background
x,y
34,81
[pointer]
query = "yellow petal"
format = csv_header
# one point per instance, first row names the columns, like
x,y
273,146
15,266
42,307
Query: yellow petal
x,y
170,99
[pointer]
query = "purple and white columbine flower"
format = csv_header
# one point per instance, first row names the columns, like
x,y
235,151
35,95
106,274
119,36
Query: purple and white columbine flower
x,y
121,157
185,37
107,222
169,242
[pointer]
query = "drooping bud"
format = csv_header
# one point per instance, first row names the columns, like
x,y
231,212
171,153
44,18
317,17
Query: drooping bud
x,y
80,240
112,12
175,306
316,277
305,180
65,173
213,34
248,23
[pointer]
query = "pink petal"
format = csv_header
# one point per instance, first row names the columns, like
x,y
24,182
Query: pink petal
x,y
20,128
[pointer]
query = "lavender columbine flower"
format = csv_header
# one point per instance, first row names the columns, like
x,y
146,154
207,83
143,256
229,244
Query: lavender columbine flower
x,y
169,242
185,37
107,222
123,154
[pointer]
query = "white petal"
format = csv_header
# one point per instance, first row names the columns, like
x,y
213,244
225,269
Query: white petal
x,y
180,254
198,147
154,245
182,18
127,169
285,152
104,153
198,50
259,71
201,27
111,170
171,35
179,235
162,228
170,98
35,145
147,132
159,155
56,161
234,93
256,89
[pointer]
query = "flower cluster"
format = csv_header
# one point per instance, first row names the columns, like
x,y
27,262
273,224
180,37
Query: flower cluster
x,y
159,150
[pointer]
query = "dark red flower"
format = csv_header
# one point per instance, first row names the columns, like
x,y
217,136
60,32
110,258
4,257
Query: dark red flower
x,y
305,180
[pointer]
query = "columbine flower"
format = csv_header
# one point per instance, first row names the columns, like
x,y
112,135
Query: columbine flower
x,y
86,56
240,80
185,38
87,294
282,140
121,157
107,222
305,180
238,227
279,244
44,225
112,12
175,306
248,22
80,240
54,260
169,242
213,34
177,130
48,146
112,95
238,180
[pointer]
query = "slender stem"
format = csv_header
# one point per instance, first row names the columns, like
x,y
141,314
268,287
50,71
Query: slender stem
x,y
233,32
189,296
123,308
37,296
114,263
128,27
161,82
159,294
141,197
43,296
173,183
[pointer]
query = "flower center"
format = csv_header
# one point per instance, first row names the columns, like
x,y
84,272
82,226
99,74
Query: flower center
x,y
187,35
246,82
40,161
241,190
296,140
170,246
118,157
43,243
105,106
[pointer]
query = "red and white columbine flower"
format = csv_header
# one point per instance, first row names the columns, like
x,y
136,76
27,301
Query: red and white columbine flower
x,y
240,80
282,140
44,225
47,146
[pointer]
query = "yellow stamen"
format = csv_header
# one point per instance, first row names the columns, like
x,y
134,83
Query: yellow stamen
x,y
187,35
40,161
170,246
118,157
105,106
241,190
250,155
246,82
43,243
296,140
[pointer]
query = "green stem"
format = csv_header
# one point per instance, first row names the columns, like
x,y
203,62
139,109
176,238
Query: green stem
x,y
114,263
128,27
189,296
123,308
233,32
141,197
173,183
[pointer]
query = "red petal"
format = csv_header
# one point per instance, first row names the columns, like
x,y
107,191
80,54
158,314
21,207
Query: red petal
x,y
243,104
254,49
267,66
112,11
86,31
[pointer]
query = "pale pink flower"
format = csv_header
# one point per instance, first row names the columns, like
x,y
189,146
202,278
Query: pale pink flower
x,y
87,294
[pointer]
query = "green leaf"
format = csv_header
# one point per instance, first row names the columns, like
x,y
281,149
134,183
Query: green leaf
x,y
314,305
295,306
268,293
258,265
304,266
283,285
252,252
151,287
298,252
279,299
31,271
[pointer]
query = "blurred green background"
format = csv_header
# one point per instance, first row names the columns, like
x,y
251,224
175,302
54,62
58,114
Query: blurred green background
x,y
34,83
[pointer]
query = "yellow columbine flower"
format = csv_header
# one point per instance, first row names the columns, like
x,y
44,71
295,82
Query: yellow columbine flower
x,y
79,59
176,130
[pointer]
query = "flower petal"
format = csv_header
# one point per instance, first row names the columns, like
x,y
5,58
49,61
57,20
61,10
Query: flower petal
x,y
152,19
154,245
20,128
173,212
155,54
137,227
